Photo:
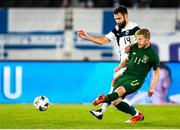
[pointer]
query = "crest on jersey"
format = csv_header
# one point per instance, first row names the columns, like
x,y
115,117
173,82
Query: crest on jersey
x,y
145,59
126,33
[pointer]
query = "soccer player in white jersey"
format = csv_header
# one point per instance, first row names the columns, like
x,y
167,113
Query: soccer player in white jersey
x,y
122,35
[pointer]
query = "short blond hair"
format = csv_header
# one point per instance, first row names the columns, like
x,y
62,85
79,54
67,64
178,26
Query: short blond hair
x,y
145,32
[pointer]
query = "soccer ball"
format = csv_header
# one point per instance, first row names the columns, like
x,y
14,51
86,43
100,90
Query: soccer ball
x,y
41,103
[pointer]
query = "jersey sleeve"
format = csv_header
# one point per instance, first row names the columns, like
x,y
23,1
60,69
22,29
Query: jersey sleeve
x,y
156,62
111,36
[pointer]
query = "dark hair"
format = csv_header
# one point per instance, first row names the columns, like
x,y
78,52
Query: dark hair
x,y
145,32
121,9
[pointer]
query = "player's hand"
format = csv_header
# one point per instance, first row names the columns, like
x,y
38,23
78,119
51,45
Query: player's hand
x,y
150,92
127,49
82,34
117,69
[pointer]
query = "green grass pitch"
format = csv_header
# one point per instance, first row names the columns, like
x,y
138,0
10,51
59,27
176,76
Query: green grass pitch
x,y
78,116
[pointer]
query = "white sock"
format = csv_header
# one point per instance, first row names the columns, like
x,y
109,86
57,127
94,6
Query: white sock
x,y
106,105
126,101
137,113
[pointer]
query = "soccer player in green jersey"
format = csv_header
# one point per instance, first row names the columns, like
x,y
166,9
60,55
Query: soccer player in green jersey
x,y
140,61
121,36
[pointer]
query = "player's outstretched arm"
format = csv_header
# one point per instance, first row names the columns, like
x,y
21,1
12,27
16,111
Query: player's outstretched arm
x,y
98,40
154,82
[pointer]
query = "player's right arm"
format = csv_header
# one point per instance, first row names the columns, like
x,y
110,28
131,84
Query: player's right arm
x,y
98,40
122,65
126,60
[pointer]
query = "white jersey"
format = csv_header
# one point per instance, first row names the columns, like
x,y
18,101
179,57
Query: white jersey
x,y
121,38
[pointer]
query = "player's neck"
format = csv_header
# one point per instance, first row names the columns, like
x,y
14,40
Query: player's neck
x,y
147,46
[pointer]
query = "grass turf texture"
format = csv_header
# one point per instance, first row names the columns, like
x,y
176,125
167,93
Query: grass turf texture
x,y
78,116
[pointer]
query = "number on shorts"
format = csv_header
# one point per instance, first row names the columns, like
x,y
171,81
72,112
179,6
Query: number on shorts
x,y
134,83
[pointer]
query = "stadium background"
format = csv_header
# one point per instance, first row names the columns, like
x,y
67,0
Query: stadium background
x,y
41,54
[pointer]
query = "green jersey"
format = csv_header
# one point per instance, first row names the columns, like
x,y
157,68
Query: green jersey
x,y
141,61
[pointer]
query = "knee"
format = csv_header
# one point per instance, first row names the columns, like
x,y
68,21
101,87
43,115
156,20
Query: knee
x,y
121,91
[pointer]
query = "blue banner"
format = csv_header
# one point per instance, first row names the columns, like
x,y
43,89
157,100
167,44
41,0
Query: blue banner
x,y
63,82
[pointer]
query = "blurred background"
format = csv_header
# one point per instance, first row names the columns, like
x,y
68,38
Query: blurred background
x,y
40,53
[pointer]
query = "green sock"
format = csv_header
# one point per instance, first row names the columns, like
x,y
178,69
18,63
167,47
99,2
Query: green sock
x,y
124,107
111,97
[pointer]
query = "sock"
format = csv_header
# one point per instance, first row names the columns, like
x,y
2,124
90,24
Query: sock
x,y
106,105
125,107
126,101
111,97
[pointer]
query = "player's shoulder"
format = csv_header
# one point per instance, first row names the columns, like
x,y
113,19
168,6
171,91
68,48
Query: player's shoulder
x,y
131,28
132,25
152,49
152,52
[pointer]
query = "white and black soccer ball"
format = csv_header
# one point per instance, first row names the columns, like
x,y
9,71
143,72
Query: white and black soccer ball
x,y
41,103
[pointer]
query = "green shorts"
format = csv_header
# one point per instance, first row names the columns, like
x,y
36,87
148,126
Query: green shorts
x,y
130,83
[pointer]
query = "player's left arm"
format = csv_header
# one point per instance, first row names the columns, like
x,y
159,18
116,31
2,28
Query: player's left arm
x,y
154,82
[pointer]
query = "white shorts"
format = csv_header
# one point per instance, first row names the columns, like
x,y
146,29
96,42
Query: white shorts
x,y
120,72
